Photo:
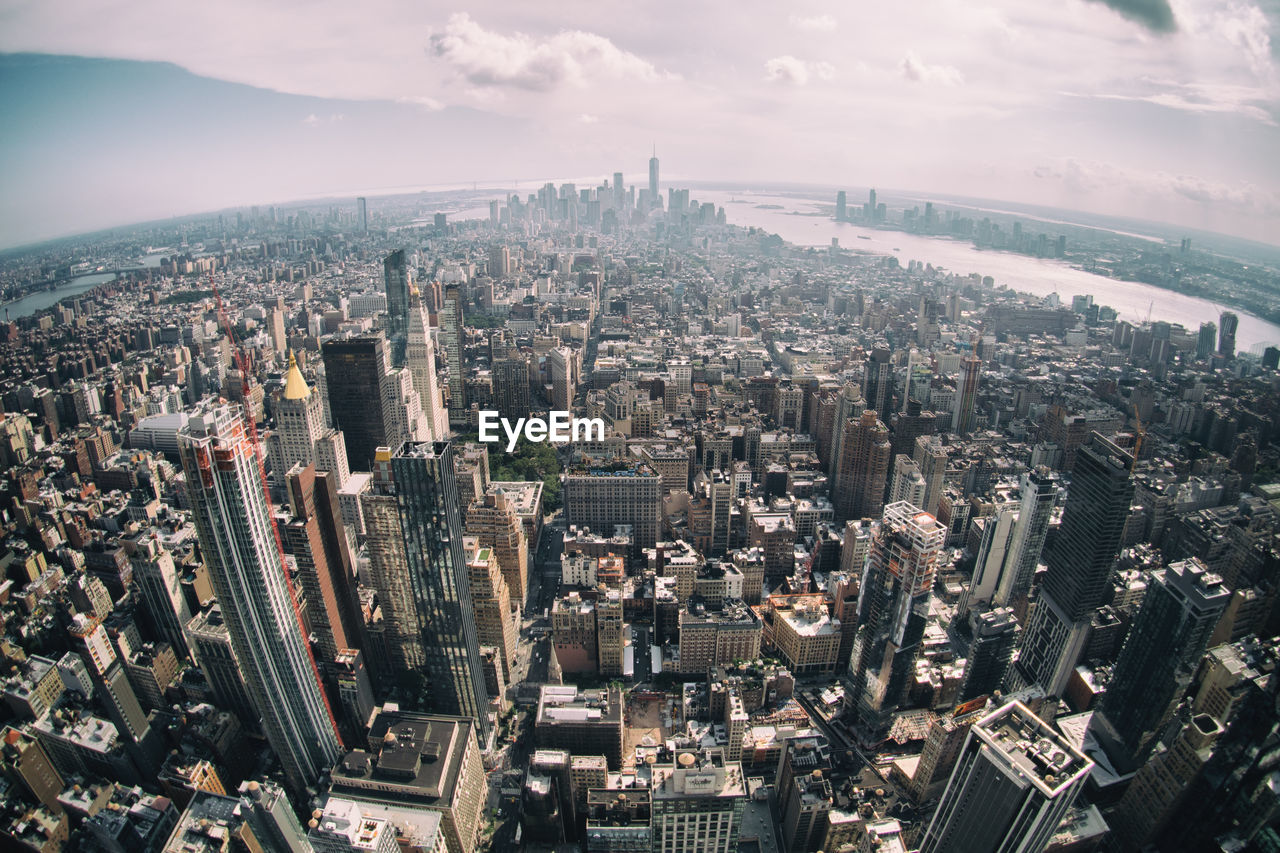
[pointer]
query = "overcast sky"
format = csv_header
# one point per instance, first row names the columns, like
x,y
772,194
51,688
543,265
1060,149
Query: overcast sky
x,y
1159,109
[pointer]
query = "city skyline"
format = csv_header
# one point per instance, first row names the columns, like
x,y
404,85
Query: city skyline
x,y
1173,119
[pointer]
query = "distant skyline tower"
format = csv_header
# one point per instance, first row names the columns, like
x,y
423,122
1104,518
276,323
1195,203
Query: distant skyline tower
x,y
234,526
395,275
842,206
432,526
1207,340
1080,563
1014,782
654,198
1160,654
1228,323
893,608
362,215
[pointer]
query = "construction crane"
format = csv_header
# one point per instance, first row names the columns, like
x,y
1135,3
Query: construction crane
x,y
251,426
1139,434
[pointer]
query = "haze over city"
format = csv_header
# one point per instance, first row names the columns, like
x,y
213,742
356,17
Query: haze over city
x,y
1154,109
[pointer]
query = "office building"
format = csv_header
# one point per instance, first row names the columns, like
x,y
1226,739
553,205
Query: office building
x,y
259,817
1228,324
1161,652
562,370
389,568
492,520
432,528
892,610
804,792
930,455
211,645
161,588
300,435
451,331
994,633
581,721
245,565
907,483
343,827
697,802
621,494
420,359
421,772
497,622
362,216
1080,564
1039,494
863,468
313,534
511,387
1015,780
962,417
654,198
619,820
395,277
361,396
877,382
1206,340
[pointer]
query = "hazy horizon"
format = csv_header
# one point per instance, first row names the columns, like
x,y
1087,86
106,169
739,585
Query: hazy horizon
x,y
1159,110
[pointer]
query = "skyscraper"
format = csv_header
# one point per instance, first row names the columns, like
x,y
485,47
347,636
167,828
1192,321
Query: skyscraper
x,y
1206,340
560,366
892,610
300,436
1228,323
496,621
1160,654
362,215
420,356
1089,539
232,521
395,275
842,206
877,381
493,521
1015,780
1040,490
451,337
654,198
360,395
864,468
962,416
994,634
511,386
389,568
432,528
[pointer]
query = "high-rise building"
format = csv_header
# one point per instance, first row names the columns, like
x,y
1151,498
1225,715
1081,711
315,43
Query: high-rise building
x,y
560,368
864,468
211,645
907,483
493,521
232,520
698,802
313,533
395,276
420,357
161,588
1014,782
962,416
432,527
360,395
511,387
611,633
1228,323
1207,340
654,198
931,456
1080,564
301,435
994,634
1039,495
496,621
389,568
804,792
877,381
451,330
362,215
1161,652
893,608
842,206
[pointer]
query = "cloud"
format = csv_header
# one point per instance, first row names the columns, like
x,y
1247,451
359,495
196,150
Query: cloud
x,y
1245,101
791,71
427,103
1090,177
1155,15
488,59
915,70
587,118
822,23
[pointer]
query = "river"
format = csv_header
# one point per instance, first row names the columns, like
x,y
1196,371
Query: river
x,y
1037,276
42,299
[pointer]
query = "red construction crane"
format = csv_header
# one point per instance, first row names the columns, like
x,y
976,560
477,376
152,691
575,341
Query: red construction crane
x,y
242,364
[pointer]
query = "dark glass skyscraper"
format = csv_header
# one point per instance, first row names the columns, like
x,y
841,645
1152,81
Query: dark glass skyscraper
x,y
432,526
877,382
1098,499
395,275
451,336
1228,323
355,371
1160,654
